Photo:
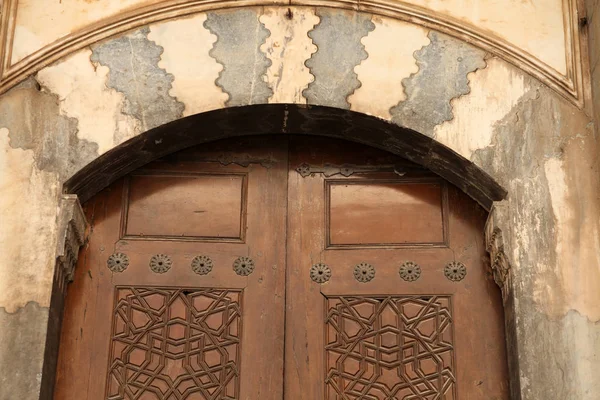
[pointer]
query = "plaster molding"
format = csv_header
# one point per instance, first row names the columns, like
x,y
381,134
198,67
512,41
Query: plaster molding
x,y
570,85
72,227
494,243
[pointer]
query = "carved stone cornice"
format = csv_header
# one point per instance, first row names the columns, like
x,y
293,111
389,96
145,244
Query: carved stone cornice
x,y
569,85
494,243
72,227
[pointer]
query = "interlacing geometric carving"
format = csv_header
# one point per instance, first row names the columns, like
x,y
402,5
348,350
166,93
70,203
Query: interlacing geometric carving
x,y
175,344
410,271
455,271
364,272
389,348
320,273
160,263
117,262
202,265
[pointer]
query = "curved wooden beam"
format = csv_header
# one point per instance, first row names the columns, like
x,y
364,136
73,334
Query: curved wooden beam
x,y
285,119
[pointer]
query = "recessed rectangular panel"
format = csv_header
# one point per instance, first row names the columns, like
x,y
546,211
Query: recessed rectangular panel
x,y
389,347
382,213
186,207
175,343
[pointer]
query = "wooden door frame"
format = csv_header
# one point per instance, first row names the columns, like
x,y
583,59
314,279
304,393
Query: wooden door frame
x,y
269,119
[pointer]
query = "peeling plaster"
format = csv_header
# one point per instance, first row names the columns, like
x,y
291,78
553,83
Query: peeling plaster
x,y
577,237
389,62
542,152
240,36
33,118
132,61
288,47
194,72
22,344
83,95
443,68
338,39
535,144
28,208
495,90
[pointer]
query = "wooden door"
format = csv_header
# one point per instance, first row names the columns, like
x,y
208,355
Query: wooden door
x,y
276,268
388,296
179,293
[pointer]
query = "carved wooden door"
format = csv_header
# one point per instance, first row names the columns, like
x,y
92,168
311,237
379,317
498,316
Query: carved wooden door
x,y
388,296
179,293
268,269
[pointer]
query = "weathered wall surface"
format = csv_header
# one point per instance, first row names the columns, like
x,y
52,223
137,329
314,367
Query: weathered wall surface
x,y
593,17
538,145
533,26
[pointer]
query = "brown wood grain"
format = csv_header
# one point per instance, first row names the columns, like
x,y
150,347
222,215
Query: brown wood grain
x,y
276,333
387,338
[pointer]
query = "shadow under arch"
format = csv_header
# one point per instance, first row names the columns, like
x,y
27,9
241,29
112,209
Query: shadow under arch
x,y
284,119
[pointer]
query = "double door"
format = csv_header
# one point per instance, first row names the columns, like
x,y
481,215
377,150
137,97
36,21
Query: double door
x,y
282,268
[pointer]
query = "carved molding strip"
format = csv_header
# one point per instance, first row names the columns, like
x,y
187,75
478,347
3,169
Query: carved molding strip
x,y
71,236
570,85
495,246
346,170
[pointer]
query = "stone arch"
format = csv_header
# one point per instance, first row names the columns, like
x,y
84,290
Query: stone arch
x,y
285,119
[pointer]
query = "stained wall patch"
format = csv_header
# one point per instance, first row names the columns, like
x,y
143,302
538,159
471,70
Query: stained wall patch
x,y
240,36
133,62
338,39
443,68
288,48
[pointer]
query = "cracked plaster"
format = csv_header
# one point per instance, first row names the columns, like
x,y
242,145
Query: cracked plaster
x,y
240,35
132,61
81,89
288,47
443,68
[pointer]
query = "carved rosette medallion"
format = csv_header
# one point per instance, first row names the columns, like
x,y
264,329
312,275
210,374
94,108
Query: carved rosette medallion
x,y
364,272
243,266
118,262
410,271
202,265
455,271
160,263
320,273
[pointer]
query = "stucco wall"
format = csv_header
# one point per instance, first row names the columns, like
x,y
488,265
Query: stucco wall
x,y
533,141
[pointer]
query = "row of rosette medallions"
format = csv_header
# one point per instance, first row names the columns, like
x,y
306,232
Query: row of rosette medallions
x,y
319,273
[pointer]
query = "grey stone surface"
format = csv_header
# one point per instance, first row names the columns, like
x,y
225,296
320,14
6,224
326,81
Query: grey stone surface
x,y
133,63
442,76
22,342
339,49
239,37
32,116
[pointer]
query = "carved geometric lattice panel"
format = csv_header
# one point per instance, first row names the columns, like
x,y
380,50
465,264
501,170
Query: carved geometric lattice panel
x,y
389,348
171,344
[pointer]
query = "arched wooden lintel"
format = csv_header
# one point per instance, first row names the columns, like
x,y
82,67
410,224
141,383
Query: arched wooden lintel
x,y
285,119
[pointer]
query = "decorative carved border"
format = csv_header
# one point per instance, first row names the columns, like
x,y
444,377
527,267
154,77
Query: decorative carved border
x,y
72,226
570,85
494,243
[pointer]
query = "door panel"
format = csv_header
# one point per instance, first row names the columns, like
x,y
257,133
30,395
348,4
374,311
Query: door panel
x,y
165,303
283,268
372,310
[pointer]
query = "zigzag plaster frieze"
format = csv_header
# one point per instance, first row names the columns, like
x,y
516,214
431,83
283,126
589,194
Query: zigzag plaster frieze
x,y
570,85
